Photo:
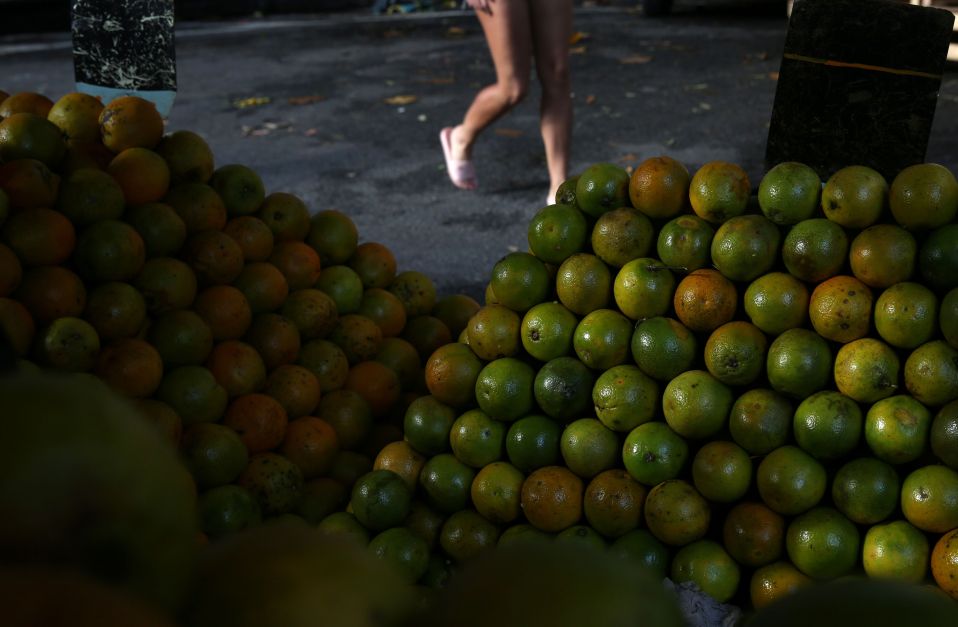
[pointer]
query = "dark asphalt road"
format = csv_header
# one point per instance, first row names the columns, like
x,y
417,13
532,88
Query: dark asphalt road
x,y
697,86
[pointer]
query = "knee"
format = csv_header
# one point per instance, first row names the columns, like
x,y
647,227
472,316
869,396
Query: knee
x,y
555,78
513,91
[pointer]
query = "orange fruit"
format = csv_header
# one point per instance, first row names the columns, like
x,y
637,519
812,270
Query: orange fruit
x,y
822,543
130,121
866,490
790,481
260,421
827,425
142,175
735,353
276,339
563,388
944,563
815,249
705,300
719,191
772,582
25,102
495,492
263,285
214,256
896,429
51,292
348,413
696,404
344,286
237,367
583,283
684,243
504,389
286,216
789,193
451,373
162,229
193,393
547,330
602,187
253,236
466,535
11,272
17,324
676,513
931,373
225,310
375,264
937,258
312,312
30,136
77,116
181,337
416,291
929,498
551,498
624,397
745,247
533,442
325,360
188,156
376,383
406,553
906,315
760,421
214,454
855,196
198,204
163,418
653,453
40,237
944,433
799,363
476,439
895,550
882,255
446,483
427,424
334,236
659,187
753,534
722,471
455,311
240,188
403,359
520,280
924,196
131,367
663,348
494,332
556,232
87,196
383,308
358,336
588,447
866,370
311,444
29,184
840,309
227,509
426,334
109,250
69,344
622,235
709,566
643,288
295,388
612,503
275,482
602,338
86,155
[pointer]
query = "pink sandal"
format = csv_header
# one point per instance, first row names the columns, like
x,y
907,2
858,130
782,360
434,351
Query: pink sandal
x,y
461,172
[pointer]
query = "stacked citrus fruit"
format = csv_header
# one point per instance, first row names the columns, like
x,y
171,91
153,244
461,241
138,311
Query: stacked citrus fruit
x,y
268,344
747,392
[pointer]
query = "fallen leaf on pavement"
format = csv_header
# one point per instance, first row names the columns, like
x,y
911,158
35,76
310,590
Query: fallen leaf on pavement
x,y
590,99
577,50
509,132
636,59
402,99
305,100
773,76
252,101
576,37
455,31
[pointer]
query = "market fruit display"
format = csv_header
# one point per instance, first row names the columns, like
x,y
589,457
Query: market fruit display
x,y
747,394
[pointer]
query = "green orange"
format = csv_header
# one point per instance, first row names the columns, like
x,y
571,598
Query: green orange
x,y
896,429
602,187
520,280
855,196
533,442
588,447
556,232
815,249
504,389
476,439
789,193
735,353
799,363
924,196
547,330
601,339
644,288
760,420
896,550
684,243
676,513
624,398
563,388
822,543
663,347
718,191
722,471
708,565
866,370
790,481
827,425
696,404
653,453
622,235
866,490
745,247
583,283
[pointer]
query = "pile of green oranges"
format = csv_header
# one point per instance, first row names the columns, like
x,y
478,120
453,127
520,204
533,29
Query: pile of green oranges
x,y
746,392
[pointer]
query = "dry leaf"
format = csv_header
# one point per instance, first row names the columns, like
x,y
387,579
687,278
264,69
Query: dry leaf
x,y
438,80
577,50
455,31
252,101
402,99
773,76
636,59
508,132
305,100
577,36
311,132
590,99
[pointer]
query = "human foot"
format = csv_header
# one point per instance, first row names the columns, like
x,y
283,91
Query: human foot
x,y
460,169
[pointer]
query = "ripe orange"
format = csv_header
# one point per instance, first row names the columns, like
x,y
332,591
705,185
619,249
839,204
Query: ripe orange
x,y
295,388
225,310
376,383
775,581
676,513
719,191
131,367
312,312
840,309
416,291
24,102
753,534
253,236
259,420
944,563
237,367
263,285
358,336
705,300
311,444
552,498
277,340
659,187
612,503
883,255
142,175
375,264
451,374
276,482
17,324
78,117
51,292
130,121
40,237
29,184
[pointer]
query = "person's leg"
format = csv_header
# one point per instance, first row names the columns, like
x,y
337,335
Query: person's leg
x,y
551,28
507,32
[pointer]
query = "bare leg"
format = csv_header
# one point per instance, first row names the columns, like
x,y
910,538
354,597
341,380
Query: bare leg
x,y
551,28
507,32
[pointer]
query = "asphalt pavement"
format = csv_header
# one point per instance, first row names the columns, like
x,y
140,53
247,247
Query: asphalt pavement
x,y
344,110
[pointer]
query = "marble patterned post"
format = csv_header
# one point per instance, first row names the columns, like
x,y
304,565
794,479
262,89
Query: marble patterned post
x,y
858,85
125,48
